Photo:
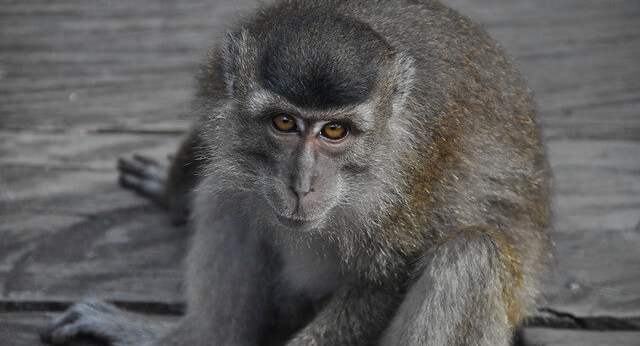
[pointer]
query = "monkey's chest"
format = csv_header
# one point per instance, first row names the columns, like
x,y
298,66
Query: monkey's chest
x,y
315,274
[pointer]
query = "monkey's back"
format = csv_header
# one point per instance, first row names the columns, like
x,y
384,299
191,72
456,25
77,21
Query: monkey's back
x,y
473,115
482,156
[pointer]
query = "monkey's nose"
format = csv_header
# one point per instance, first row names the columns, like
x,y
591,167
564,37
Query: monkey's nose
x,y
301,193
302,183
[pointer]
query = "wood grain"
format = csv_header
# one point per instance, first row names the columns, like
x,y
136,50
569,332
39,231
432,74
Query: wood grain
x,y
82,83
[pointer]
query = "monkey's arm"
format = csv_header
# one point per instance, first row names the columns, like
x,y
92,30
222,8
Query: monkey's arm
x,y
356,315
170,188
226,276
227,271
470,291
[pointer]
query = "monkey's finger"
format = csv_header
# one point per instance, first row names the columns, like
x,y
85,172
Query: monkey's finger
x,y
100,306
91,318
62,334
68,317
82,330
145,168
146,160
130,166
152,189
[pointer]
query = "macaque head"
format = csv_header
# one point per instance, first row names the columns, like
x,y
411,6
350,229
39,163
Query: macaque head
x,y
311,107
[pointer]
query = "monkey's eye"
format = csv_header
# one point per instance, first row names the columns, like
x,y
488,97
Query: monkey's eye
x,y
334,131
284,123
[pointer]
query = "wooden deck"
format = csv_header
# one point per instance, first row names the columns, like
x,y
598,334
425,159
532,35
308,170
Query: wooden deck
x,y
83,82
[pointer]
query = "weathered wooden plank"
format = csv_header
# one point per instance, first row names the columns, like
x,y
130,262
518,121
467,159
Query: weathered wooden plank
x,y
69,231
90,149
19,329
564,337
604,76
579,57
126,255
553,28
608,120
597,211
76,63
597,184
69,173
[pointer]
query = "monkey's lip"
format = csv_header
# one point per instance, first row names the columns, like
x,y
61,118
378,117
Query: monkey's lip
x,y
297,222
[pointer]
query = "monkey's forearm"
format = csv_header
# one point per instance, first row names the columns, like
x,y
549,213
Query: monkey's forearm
x,y
472,285
355,316
226,274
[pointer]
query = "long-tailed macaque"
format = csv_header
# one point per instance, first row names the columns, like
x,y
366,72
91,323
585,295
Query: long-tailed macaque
x,y
359,173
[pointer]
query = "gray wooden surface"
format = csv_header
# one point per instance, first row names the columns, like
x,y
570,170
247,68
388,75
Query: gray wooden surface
x,y
83,82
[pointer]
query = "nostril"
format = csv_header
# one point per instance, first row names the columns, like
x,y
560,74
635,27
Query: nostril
x,y
300,193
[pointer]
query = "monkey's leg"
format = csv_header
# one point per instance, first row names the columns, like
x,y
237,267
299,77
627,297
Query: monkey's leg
x,y
467,294
100,320
228,282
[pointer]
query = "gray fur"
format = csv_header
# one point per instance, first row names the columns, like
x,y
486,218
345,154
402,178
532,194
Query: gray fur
x,y
424,225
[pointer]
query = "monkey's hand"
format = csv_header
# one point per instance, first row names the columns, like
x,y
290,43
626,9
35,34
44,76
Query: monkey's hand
x,y
145,176
101,321
354,316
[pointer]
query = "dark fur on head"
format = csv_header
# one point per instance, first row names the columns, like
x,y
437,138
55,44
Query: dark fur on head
x,y
303,61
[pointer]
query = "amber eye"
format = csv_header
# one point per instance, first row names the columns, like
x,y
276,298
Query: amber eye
x,y
334,131
284,123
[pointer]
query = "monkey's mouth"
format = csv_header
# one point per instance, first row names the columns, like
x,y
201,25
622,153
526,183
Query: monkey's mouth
x,y
296,222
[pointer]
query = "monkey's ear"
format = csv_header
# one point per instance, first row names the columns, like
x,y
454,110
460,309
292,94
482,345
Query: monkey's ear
x,y
220,70
231,51
403,73
229,48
